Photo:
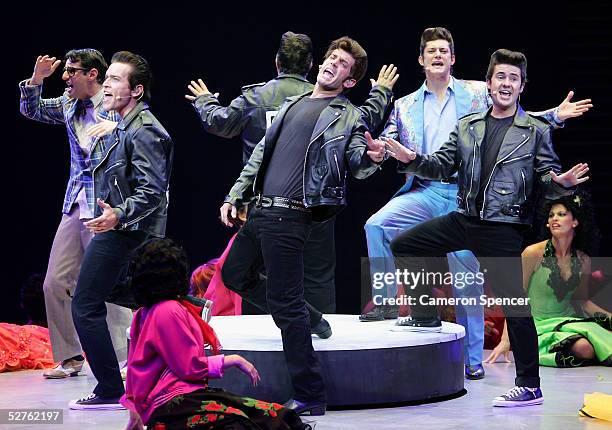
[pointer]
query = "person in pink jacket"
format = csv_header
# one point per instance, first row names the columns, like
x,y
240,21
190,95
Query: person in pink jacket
x,y
168,365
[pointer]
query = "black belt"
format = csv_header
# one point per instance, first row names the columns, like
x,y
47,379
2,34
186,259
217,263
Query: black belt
x,y
447,181
281,202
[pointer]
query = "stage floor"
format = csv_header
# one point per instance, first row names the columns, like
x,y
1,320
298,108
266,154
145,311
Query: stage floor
x,y
563,393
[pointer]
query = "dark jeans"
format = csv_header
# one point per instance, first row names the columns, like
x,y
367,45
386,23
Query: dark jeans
x,y
454,232
244,273
276,237
102,272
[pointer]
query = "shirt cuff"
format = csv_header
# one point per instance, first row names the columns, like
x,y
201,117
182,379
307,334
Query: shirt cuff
x,y
215,366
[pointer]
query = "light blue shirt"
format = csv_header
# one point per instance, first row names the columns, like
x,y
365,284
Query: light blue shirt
x,y
439,118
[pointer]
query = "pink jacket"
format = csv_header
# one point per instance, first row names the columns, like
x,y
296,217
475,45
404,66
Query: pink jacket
x,y
166,358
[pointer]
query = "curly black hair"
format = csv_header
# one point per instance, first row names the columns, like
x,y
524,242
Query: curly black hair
x,y
158,271
587,234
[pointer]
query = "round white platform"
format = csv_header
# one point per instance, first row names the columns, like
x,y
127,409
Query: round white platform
x,y
363,364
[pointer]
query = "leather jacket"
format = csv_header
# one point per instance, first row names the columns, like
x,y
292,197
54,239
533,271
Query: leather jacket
x,y
372,113
526,157
133,177
337,145
250,114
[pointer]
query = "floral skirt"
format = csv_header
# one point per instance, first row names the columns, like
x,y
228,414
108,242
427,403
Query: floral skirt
x,y
214,408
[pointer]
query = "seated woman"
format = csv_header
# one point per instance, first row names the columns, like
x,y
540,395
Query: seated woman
x,y
556,274
169,369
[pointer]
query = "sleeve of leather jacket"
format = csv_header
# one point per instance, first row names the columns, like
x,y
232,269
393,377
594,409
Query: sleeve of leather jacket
x,y
242,190
441,164
219,120
374,108
149,160
546,160
359,163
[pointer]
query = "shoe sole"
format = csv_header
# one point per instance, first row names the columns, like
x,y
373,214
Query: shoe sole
x,y
324,334
61,377
508,404
416,329
313,412
474,378
113,407
366,319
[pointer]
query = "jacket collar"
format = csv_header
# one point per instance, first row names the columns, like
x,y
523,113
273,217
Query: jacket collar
x,y
125,122
292,76
521,118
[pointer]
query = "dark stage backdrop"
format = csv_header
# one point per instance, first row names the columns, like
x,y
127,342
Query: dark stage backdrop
x,y
567,48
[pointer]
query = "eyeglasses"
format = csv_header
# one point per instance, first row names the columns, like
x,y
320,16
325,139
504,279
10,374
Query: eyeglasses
x,y
71,71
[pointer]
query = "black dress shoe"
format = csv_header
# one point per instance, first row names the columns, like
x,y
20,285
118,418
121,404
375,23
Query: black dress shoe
x,y
322,329
380,313
302,408
474,372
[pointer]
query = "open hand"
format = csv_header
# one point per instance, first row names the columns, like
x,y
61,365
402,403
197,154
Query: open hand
x,y
105,222
387,77
399,151
568,109
43,68
572,177
503,348
198,89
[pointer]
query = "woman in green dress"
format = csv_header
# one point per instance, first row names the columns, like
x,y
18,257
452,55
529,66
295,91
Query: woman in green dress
x,y
572,330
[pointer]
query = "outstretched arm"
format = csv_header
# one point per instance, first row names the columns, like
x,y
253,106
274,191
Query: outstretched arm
x,y
31,103
218,120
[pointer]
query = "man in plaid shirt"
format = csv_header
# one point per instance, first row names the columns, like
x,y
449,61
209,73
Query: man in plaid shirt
x,y
80,109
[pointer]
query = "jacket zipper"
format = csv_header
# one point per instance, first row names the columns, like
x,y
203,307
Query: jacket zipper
x,y
331,140
119,189
118,163
467,198
512,160
338,168
484,197
524,185
93,171
306,156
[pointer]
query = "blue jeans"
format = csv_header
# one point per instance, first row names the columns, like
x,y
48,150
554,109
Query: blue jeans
x,y
425,201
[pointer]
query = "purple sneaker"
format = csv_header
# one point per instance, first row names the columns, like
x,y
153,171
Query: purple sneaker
x,y
519,396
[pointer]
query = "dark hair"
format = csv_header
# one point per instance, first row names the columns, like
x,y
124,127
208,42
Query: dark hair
x,y
351,46
158,271
295,53
89,59
140,74
587,235
436,33
504,56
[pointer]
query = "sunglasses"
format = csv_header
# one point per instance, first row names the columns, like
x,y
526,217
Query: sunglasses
x,y
71,71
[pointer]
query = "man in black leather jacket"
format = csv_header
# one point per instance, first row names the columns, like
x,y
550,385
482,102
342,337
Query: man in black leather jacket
x,y
131,186
501,156
312,143
249,115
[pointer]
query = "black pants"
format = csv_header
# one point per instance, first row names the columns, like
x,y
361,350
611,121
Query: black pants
x,y
245,274
498,248
102,272
276,237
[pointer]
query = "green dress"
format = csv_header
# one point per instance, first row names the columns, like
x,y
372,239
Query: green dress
x,y
557,322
